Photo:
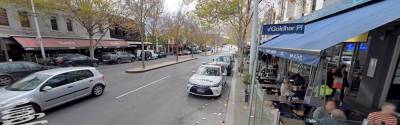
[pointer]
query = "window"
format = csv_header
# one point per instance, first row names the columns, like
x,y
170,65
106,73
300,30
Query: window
x,y
53,23
3,17
83,74
24,19
69,25
59,80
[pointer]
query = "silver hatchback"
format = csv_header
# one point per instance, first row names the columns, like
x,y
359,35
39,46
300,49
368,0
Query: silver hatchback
x,y
46,89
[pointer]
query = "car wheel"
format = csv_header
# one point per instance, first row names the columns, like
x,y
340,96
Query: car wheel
x,y
5,80
95,64
35,107
98,90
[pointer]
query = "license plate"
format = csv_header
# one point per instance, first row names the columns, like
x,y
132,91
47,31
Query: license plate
x,y
200,90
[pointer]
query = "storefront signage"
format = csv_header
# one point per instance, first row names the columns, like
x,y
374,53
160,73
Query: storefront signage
x,y
297,57
290,28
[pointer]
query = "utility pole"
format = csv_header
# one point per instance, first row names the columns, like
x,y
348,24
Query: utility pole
x,y
253,55
38,35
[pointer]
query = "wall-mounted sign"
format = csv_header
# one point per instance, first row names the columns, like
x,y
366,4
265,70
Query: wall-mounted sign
x,y
290,28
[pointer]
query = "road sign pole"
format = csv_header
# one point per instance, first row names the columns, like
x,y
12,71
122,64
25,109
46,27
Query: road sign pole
x,y
253,54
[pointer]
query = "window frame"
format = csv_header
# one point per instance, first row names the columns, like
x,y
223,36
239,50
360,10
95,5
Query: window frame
x,y
4,17
24,19
54,25
66,75
70,24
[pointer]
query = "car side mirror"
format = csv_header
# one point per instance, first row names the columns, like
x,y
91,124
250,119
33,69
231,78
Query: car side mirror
x,y
47,88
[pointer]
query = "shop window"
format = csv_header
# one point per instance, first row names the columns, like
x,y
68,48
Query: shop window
x,y
69,25
24,19
53,22
3,17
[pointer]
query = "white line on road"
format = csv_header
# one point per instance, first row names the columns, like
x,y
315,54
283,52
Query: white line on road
x,y
132,91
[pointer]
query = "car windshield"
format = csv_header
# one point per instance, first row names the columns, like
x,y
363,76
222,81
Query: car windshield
x,y
209,71
222,59
28,83
346,59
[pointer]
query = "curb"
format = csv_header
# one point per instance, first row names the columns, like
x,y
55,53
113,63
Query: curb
x,y
161,66
230,111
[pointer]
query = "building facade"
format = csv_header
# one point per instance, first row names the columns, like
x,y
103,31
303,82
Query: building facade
x,y
59,32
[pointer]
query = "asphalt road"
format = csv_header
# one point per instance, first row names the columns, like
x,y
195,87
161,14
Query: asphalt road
x,y
156,97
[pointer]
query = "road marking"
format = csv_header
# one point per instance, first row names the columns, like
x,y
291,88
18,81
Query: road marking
x,y
135,90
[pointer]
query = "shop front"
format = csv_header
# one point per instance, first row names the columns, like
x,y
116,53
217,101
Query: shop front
x,y
30,47
329,41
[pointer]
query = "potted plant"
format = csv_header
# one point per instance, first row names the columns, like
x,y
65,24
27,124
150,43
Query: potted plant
x,y
246,81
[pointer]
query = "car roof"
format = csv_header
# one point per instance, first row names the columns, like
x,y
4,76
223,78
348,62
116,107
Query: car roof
x,y
211,65
63,70
16,62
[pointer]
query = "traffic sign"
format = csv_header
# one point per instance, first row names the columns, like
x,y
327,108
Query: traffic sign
x,y
290,28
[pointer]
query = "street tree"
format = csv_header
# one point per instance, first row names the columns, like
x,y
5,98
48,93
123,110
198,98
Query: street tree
x,y
236,13
140,11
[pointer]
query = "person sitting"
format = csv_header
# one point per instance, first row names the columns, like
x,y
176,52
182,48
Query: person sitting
x,y
286,89
383,117
337,117
298,79
325,111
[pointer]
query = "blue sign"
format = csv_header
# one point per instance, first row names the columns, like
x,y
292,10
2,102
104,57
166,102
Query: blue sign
x,y
291,28
297,57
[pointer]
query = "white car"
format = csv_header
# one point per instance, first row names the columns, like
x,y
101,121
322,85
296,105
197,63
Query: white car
x,y
153,54
208,80
49,88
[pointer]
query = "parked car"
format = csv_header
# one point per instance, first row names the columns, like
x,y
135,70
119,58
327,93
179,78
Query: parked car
x,y
49,88
12,71
208,80
69,60
226,63
186,52
147,55
118,57
162,54
153,55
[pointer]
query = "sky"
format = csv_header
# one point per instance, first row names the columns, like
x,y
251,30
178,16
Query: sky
x,y
172,6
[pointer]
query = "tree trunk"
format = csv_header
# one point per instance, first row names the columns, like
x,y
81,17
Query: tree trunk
x,y
92,46
142,36
177,51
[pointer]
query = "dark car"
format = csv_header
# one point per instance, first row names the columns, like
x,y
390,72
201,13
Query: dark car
x,y
69,60
118,57
226,62
147,55
162,54
12,71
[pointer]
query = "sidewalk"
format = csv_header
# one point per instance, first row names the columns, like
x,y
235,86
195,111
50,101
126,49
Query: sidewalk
x,y
237,112
157,66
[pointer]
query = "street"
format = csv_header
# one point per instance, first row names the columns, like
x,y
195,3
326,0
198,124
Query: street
x,y
156,97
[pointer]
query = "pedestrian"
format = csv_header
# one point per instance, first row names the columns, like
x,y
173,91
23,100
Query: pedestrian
x,y
325,111
329,81
344,73
384,117
337,117
286,89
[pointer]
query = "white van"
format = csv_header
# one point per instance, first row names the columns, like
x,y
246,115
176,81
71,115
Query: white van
x,y
153,54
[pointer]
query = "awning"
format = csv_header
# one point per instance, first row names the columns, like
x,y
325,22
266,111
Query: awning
x,y
328,32
67,43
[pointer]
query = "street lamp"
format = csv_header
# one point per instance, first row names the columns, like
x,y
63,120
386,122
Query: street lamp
x,y
38,35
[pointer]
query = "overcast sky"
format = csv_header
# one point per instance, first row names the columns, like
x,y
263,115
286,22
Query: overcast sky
x,y
172,6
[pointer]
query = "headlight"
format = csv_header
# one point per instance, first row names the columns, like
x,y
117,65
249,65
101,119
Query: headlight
x,y
216,85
